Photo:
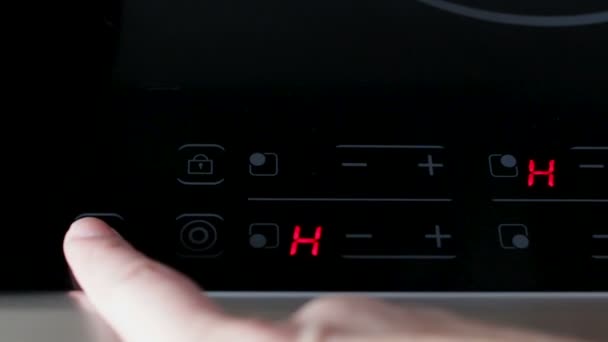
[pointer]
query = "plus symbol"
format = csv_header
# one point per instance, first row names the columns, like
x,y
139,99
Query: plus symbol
x,y
430,165
438,237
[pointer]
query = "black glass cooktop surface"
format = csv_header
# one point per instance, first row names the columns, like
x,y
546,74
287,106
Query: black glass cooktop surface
x,y
347,146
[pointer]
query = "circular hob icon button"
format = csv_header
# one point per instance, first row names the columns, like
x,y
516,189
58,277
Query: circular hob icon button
x,y
199,235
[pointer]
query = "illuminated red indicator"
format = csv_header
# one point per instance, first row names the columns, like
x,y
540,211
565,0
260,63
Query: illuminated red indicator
x,y
549,173
299,240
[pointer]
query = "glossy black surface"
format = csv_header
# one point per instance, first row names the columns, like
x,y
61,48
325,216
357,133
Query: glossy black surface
x,y
312,86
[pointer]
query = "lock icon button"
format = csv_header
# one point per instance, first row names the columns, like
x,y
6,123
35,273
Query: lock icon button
x,y
200,165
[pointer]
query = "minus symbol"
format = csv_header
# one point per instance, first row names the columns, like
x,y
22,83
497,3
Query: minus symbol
x,y
359,236
354,164
591,166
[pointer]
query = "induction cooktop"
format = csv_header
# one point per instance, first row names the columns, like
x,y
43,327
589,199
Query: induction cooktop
x,y
380,146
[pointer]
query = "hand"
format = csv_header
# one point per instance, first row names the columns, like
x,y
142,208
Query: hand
x,y
145,301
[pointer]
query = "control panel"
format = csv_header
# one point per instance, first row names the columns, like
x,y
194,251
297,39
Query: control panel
x,y
397,205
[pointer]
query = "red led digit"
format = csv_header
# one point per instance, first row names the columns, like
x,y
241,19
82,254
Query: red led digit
x,y
299,240
549,173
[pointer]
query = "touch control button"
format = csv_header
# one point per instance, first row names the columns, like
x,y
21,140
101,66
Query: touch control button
x,y
264,235
113,220
503,166
200,164
513,236
264,164
199,235
430,165
438,236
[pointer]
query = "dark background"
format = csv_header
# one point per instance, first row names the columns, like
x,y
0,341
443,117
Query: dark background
x,y
110,94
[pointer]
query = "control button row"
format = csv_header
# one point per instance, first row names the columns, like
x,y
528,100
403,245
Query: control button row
x,y
199,236
203,164
586,166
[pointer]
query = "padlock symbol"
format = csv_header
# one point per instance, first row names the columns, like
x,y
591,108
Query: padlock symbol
x,y
200,165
